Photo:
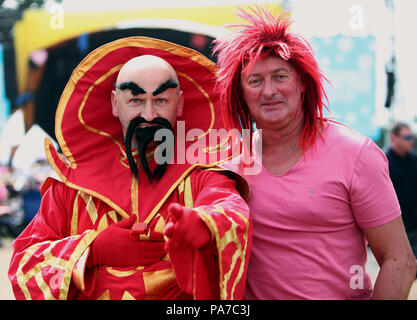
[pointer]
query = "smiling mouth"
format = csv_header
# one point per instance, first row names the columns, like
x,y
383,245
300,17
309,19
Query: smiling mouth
x,y
271,104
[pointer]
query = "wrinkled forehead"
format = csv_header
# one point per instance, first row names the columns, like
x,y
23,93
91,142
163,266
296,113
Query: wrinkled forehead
x,y
266,63
148,77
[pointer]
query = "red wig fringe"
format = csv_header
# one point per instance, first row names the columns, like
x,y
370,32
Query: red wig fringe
x,y
266,34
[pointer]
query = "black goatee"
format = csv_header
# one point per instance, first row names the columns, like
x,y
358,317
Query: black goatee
x,y
144,136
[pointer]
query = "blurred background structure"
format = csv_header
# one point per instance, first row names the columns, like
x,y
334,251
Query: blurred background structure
x,y
41,44
364,48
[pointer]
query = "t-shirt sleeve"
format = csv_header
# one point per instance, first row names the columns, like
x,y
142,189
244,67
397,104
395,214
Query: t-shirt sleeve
x,y
372,195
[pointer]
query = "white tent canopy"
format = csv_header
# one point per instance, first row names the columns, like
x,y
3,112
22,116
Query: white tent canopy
x,y
31,149
12,135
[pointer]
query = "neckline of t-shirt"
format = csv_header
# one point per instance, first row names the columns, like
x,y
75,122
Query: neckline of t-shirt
x,y
307,154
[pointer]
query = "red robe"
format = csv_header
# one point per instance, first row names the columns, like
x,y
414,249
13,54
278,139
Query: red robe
x,y
97,189
49,260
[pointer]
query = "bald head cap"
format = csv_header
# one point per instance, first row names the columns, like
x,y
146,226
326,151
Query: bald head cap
x,y
151,70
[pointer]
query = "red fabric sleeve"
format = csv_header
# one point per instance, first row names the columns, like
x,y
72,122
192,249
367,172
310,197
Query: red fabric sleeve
x,y
219,272
44,253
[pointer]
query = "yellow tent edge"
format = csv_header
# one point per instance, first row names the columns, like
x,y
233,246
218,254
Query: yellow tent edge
x,y
39,29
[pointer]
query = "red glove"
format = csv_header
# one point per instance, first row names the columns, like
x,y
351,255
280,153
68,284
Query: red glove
x,y
115,247
186,232
185,228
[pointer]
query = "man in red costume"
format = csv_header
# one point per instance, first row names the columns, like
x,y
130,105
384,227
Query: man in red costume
x,y
120,224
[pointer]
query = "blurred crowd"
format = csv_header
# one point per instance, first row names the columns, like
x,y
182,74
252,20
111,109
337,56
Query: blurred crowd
x,y
20,197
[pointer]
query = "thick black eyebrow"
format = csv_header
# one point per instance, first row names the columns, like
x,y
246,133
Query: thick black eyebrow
x,y
132,86
170,83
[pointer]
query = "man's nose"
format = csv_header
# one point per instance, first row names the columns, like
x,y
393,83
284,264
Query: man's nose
x,y
149,112
269,89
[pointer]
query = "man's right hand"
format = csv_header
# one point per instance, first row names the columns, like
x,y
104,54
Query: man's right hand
x,y
115,247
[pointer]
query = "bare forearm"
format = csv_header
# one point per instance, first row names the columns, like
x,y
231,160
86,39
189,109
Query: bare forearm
x,y
394,280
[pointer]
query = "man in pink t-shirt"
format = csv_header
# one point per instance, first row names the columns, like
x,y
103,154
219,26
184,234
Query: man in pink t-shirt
x,y
307,222
322,191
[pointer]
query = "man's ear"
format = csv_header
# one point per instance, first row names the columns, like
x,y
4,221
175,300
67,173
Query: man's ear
x,y
114,103
180,104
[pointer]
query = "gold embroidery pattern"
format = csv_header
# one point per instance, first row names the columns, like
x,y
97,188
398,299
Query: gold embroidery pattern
x,y
74,219
134,190
106,296
127,296
92,212
51,261
49,149
156,281
228,237
113,216
180,188
188,195
123,273
90,206
103,224
160,225
78,271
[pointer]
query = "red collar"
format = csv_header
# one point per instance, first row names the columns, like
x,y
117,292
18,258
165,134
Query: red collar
x,y
89,135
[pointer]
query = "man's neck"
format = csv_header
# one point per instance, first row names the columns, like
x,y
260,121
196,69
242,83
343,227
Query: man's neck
x,y
285,139
401,153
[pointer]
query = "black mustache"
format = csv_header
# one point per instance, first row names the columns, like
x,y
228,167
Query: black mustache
x,y
143,137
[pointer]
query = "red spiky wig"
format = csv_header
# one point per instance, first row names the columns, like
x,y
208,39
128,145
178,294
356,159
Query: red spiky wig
x,y
264,35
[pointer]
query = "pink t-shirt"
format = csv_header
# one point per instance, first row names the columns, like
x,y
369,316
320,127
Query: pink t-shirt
x,y
307,239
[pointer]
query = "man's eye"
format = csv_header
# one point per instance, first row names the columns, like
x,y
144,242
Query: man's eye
x,y
280,76
138,101
254,82
161,100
